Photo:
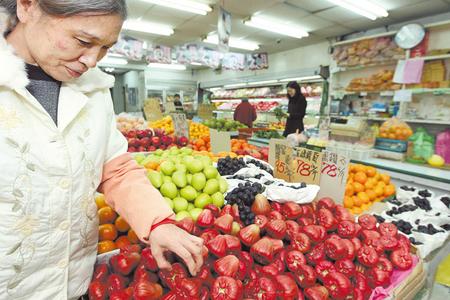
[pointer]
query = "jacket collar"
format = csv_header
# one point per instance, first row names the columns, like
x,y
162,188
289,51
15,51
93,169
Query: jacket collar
x,y
13,74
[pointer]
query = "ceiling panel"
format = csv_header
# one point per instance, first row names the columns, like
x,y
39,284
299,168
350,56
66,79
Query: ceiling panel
x,y
248,7
311,5
338,14
284,13
421,9
312,22
362,24
394,4
333,31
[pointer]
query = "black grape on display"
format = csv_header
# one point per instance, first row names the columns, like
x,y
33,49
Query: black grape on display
x,y
243,196
229,166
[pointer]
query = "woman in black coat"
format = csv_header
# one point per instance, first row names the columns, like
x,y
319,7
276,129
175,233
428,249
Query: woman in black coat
x,y
296,109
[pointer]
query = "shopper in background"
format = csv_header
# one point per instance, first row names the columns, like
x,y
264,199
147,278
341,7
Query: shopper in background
x,y
245,113
59,144
296,109
177,103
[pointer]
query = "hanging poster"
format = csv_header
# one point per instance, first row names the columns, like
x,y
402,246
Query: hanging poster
x,y
234,61
224,30
257,61
159,54
192,54
181,55
130,48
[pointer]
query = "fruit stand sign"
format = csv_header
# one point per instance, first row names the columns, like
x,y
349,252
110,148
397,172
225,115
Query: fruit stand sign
x,y
180,125
283,155
169,107
305,165
152,110
220,141
333,176
205,111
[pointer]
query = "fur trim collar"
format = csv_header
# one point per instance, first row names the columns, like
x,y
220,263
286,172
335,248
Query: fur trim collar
x,y
14,76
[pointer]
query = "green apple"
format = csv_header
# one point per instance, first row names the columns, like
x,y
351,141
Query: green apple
x,y
186,150
159,152
169,201
210,172
180,204
169,190
180,167
139,158
187,159
218,199
179,178
202,200
190,207
188,193
155,178
195,212
194,166
212,186
223,185
181,215
206,161
189,178
167,167
167,179
198,181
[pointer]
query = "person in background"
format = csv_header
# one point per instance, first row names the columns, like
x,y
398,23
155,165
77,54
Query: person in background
x,y
177,102
245,113
296,109
59,145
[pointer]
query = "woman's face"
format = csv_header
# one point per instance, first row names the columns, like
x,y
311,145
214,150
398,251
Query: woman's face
x,y
66,47
291,92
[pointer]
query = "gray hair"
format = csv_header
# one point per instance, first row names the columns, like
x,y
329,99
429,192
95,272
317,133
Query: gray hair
x,y
66,8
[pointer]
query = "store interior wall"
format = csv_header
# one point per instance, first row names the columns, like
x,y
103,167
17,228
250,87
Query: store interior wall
x,y
118,94
134,80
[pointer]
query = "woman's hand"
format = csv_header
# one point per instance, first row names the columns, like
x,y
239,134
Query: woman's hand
x,y
169,237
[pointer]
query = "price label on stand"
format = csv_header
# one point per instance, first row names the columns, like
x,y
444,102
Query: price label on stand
x,y
180,125
152,110
282,168
333,177
220,141
305,165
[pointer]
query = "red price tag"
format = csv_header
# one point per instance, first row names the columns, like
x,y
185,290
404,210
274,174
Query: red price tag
x,y
329,169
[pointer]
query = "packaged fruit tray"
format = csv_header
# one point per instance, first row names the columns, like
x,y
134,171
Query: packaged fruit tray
x,y
391,145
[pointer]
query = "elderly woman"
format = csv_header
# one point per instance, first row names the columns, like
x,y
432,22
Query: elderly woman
x,y
59,145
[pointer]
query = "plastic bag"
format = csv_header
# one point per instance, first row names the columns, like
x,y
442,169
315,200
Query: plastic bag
x,y
443,145
296,139
395,129
422,146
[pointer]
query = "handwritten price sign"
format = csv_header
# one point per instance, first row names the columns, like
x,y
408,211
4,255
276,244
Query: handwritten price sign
x,y
306,165
180,125
282,157
333,176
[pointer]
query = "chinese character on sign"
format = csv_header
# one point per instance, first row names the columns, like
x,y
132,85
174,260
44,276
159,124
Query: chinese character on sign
x,y
308,155
315,157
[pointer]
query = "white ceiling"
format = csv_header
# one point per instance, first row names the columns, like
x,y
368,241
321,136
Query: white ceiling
x,y
319,17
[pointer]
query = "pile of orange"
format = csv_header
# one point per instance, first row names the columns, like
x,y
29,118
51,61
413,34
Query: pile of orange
x,y
397,132
201,144
197,130
365,185
113,231
240,146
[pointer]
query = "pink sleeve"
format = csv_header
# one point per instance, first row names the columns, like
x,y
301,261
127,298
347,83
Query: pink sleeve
x,y
131,194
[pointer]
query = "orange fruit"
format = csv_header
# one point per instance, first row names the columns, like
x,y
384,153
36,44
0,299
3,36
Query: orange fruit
x,y
121,224
359,168
106,215
363,197
379,199
369,184
107,232
365,207
133,237
360,177
348,202
122,242
371,171
349,191
358,187
372,195
386,178
356,202
357,210
379,191
100,201
106,246
389,190
381,183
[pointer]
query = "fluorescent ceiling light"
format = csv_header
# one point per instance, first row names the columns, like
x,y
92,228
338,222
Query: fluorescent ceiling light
x,y
196,63
147,27
233,43
113,61
263,82
185,5
235,85
366,8
304,78
109,70
276,26
167,66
